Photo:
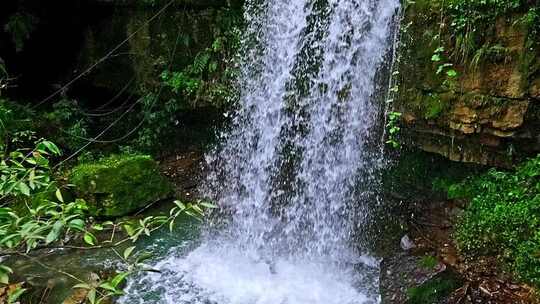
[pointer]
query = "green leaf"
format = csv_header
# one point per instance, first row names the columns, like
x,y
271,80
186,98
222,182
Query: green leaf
x,y
436,58
5,269
128,251
90,239
77,224
129,229
59,196
51,147
180,205
451,73
91,296
439,49
4,278
107,286
83,286
55,232
14,295
97,227
143,257
23,188
119,278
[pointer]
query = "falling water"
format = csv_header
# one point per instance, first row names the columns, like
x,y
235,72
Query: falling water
x,y
295,173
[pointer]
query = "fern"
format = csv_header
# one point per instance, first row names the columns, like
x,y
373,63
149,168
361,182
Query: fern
x,y
200,63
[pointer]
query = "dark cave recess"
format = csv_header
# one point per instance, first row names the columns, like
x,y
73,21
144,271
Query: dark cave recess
x,y
49,54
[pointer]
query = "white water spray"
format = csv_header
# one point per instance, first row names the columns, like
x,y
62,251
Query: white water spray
x,y
296,170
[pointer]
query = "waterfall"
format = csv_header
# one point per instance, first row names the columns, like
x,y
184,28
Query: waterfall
x,y
295,171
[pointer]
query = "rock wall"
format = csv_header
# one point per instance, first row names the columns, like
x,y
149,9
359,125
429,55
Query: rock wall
x,y
490,114
178,3
170,40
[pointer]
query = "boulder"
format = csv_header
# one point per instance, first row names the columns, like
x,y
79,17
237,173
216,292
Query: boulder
x,y
120,184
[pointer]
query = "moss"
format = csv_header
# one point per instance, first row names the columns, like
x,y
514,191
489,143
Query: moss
x,y
433,106
418,174
435,289
120,184
428,262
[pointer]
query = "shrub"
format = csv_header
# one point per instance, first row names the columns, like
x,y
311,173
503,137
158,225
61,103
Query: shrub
x,y
69,124
503,218
17,128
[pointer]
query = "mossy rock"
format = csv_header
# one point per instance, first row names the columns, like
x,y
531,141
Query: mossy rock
x,y
120,184
436,289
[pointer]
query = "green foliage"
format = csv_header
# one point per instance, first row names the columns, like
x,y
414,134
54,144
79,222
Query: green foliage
x,y
49,216
16,126
42,225
503,218
433,290
492,53
433,105
25,175
206,81
69,123
20,26
393,129
120,184
428,262
469,19
445,69
207,77
4,76
27,172
134,261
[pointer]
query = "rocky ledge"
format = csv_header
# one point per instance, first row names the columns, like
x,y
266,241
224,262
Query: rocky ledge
x,y
489,113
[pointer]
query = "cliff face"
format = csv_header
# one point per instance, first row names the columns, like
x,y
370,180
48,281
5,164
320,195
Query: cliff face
x,y
179,3
489,111
155,41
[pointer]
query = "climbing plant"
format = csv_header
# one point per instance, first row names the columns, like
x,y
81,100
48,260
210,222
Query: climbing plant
x,y
393,129
444,69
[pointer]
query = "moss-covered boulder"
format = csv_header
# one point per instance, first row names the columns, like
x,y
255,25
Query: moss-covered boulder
x,y
120,184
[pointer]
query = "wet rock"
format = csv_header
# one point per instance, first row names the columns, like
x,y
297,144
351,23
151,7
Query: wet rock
x,y
534,91
77,297
488,118
406,279
406,243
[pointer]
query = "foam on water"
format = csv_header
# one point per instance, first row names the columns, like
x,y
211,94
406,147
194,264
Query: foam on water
x,y
296,170
204,277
